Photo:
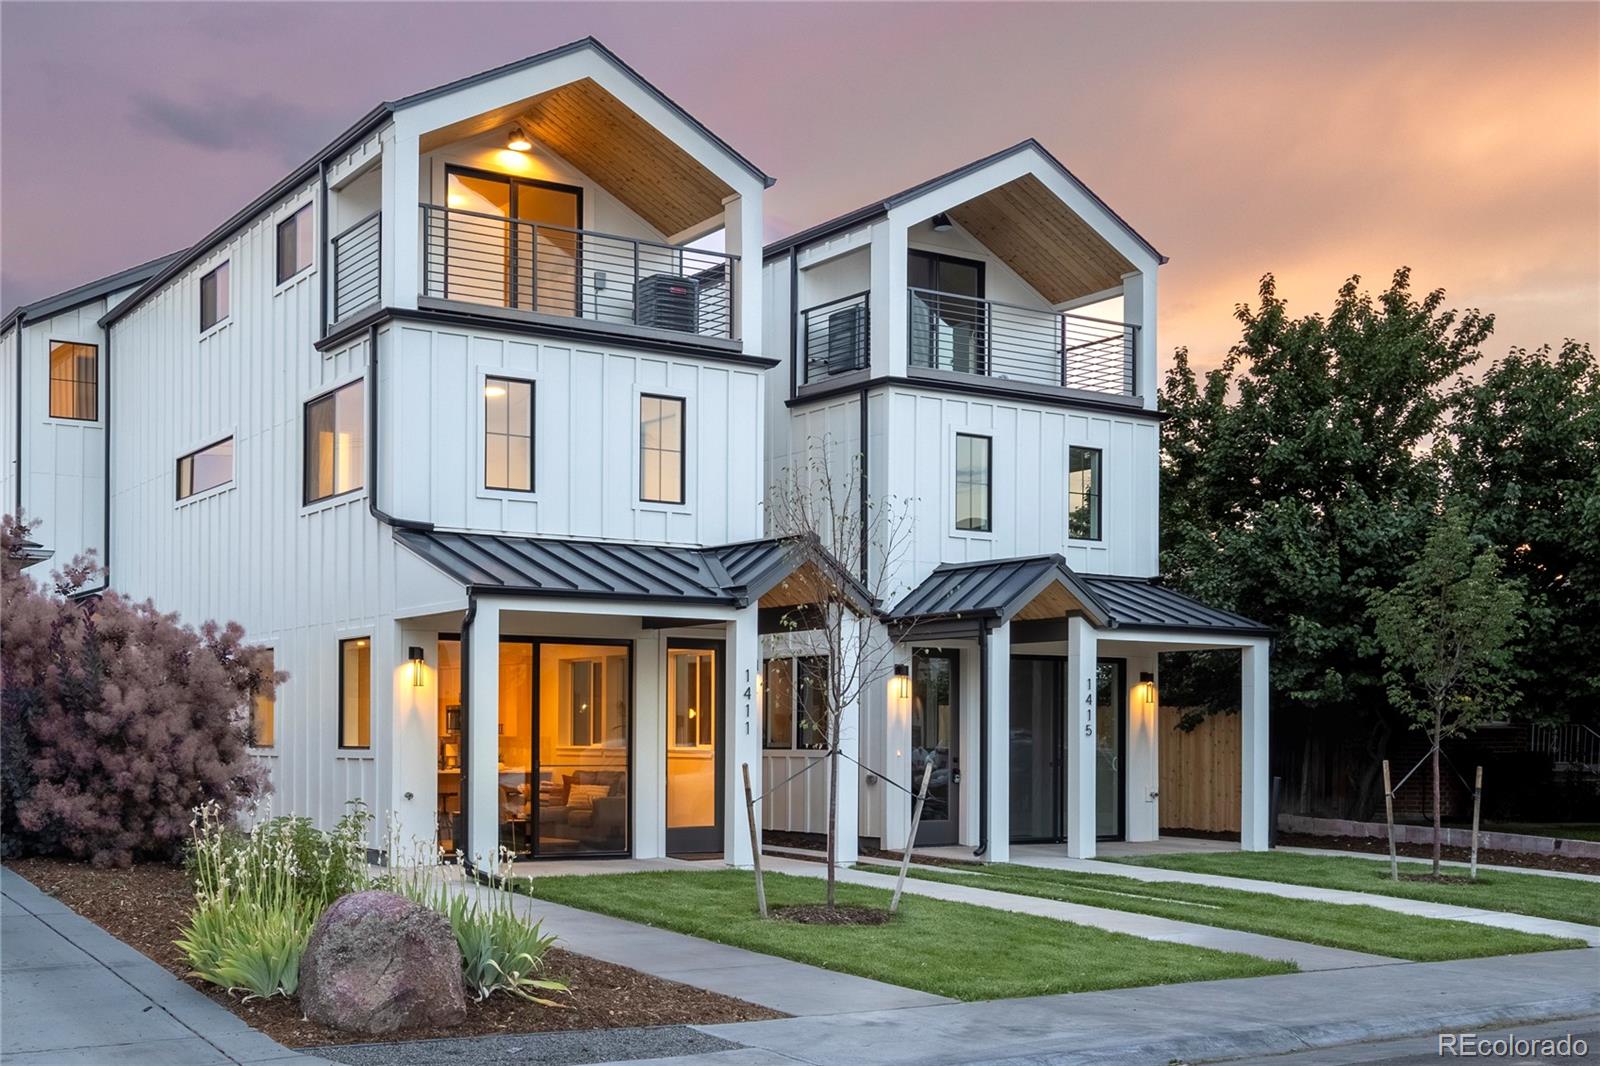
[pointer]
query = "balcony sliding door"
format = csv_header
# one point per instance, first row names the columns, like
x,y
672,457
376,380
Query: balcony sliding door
x,y
948,313
509,242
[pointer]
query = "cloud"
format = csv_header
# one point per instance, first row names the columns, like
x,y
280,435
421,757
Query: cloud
x,y
226,121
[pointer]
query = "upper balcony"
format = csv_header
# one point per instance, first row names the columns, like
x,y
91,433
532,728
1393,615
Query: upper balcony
x,y
1004,275
563,193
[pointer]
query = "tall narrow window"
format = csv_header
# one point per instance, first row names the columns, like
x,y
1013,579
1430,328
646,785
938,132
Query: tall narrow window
x,y
796,703
661,449
1083,493
355,693
295,241
334,443
214,297
508,434
263,714
972,482
205,469
74,381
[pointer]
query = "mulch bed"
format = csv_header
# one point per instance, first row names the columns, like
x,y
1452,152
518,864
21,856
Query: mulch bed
x,y
147,906
822,914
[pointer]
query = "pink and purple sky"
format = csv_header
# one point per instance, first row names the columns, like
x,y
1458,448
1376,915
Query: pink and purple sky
x,y
1311,140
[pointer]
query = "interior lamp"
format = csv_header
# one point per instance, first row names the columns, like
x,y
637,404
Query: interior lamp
x,y
900,683
518,141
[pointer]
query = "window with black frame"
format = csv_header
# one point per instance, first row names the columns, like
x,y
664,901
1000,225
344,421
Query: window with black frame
x,y
214,296
974,484
795,705
295,244
1083,493
74,381
949,318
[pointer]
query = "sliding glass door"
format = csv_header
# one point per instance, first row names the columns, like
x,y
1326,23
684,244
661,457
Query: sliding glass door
x,y
512,242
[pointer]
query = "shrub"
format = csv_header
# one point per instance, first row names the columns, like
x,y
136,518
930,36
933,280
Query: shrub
x,y
116,720
327,865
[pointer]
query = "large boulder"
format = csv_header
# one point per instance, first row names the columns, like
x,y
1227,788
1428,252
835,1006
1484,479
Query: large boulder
x,y
376,962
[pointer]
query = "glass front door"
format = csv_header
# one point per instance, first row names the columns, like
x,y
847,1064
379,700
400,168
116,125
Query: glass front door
x,y
1110,722
583,752
1036,756
935,739
694,750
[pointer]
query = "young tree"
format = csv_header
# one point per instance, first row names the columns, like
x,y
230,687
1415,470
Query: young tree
x,y
820,505
117,721
1447,633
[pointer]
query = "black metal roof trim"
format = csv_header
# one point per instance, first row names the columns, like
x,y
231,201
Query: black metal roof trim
x,y
88,292
729,575
1144,603
975,387
346,331
879,208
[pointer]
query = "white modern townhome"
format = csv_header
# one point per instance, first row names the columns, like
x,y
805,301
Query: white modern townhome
x,y
464,419
984,344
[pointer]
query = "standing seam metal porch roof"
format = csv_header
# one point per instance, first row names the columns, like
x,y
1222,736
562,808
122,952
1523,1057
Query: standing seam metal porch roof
x,y
999,588
733,575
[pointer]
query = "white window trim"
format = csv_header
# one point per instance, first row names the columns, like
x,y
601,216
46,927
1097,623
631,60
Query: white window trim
x,y
342,634
252,747
1066,493
216,490
354,495
794,704
222,323
480,430
690,449
292,280
992,435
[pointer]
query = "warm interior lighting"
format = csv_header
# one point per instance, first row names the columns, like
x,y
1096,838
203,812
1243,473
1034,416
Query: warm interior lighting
x,y
900,683
942,223
494,391
518,141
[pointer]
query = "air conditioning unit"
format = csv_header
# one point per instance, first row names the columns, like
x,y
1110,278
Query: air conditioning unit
x,y
667,301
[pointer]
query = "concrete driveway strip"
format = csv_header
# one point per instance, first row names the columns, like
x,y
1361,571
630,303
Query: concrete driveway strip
x,y
72,993
1200,1021
1524,923
1150,927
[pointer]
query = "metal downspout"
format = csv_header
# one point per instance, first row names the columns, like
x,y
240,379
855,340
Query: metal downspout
x,y
466,732
372,447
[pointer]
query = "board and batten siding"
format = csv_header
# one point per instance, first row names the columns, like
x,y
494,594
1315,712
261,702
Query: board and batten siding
x,y
298,578
586,438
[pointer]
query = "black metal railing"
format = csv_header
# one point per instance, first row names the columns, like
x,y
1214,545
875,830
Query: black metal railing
x,y
358,266
833,338
575,273
967,335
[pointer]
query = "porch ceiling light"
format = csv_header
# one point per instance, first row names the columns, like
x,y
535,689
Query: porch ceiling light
x,y
900,683
942,223
518,141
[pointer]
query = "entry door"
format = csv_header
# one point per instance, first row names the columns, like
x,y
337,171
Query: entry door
x,y
1110,735
694,747
1036,748
935,738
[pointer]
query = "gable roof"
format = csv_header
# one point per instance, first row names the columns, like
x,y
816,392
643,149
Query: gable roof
x,y
87,292
376,118
879,208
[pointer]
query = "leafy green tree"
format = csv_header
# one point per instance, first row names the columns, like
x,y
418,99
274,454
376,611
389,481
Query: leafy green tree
x,y
1525,448
1298,477
1448,633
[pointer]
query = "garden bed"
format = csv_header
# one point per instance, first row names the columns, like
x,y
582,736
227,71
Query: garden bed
x,y
146,907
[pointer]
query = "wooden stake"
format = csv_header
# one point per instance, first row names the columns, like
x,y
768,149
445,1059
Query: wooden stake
x,y
755,840
1477,802
911,837
1388,815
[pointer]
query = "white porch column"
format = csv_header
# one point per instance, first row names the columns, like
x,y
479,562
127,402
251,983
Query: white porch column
x,y
744,735
1078,720
889,310
1254,783
649,746
414,744
896,741
997,765
1141,759
741,219
402,222
483,735
849,817
1139,308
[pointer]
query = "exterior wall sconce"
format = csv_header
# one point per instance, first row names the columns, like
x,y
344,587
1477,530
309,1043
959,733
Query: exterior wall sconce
x,y
942,223
518,141
1147,686
900,683
414,653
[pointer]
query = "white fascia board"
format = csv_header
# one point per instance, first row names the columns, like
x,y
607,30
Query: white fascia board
x,y
1184,639
828,248
513,601
415,120
1027,161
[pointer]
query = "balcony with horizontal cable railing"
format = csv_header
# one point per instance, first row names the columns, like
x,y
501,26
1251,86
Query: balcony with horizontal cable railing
x,y
576,273
833,338
358,266
1011,343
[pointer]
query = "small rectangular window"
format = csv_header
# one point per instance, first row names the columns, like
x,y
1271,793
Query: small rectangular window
x,y
355,693
796,703
661,469
294,244
508,434
334,443
1083,493
973,482
74,381
214,297
263,714
778,704
205,469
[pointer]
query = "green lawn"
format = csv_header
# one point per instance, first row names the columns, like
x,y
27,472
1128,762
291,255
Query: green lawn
x,y
1356,928
1564,898
950,949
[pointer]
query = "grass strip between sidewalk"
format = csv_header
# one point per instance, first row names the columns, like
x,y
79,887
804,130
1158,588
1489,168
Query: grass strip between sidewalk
x,y
1567,899
1336,925
950,949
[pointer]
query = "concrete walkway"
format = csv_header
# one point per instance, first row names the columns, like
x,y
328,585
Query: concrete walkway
x,y
1420,908
1150,927
1194,1022
72,993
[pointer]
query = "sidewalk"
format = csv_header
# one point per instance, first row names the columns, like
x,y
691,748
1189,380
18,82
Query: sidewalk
x,y
1420,908
72,993
1306,956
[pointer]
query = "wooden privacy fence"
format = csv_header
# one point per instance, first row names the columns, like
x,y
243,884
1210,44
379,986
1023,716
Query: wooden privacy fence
x,y
1199,772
